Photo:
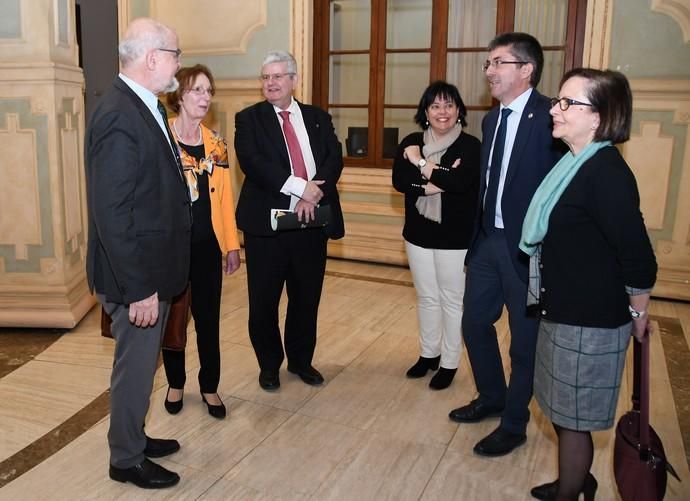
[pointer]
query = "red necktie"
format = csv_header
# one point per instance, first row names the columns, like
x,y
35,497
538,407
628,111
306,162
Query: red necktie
x,y
298,166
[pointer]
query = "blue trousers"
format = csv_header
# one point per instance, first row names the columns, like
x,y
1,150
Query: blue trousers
x,y
493,282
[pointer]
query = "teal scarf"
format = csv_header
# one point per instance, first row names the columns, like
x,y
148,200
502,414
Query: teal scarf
x,y
549,192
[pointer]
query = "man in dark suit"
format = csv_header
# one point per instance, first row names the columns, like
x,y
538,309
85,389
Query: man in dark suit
x,y
139,238
292,159
517,152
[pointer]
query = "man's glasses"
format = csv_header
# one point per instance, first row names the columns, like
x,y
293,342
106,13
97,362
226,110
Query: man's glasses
x,y
177,52
200,91
566,102
498,62
275,76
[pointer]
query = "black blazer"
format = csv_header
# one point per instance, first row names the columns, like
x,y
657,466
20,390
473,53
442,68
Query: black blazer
x,y
458,201
264,159
534,153
138,203
596,244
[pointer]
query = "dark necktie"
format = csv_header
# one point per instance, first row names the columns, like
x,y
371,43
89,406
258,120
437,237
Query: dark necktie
x,y
488,221
298,166
173,146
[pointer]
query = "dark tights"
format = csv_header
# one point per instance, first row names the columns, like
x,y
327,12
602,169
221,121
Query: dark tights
x,y
575,455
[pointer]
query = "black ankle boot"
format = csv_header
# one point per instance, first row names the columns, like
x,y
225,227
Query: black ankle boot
x,y
422,366
442,378
548,491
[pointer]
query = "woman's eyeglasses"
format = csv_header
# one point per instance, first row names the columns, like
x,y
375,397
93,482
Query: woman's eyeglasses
x,y
566,102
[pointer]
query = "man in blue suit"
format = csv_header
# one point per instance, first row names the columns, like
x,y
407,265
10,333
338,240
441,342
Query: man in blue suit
x,y
517,152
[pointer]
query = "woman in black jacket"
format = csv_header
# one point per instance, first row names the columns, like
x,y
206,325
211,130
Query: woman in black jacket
x,y
438,171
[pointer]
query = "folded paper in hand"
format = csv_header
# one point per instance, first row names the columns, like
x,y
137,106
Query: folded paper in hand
x,y
283,219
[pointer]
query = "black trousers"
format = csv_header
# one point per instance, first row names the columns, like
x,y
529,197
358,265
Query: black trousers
x,y
296,259
206,281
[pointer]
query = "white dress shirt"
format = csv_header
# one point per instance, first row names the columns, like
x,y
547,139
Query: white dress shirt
x,y
517,107
294,186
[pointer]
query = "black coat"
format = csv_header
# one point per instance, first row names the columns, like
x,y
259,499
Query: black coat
x,y
458,202
138,203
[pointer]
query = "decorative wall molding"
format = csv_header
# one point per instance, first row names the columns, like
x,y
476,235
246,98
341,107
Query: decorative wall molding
x,y
678,10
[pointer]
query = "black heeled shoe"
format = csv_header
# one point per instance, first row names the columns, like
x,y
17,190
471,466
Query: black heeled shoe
x,y
217,411
442,379
548,491
173,407
422,366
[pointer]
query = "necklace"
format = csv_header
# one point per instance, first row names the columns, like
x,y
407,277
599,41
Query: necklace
x,y
179,136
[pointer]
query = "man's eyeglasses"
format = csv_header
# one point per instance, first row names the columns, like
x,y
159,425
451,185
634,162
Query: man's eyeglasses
x,y
498,62
566,102
275,76
177,52
200,91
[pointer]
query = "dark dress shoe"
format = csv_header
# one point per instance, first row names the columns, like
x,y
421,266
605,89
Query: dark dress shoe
x,y
442,378
474,412
159,447
173,407
499,443
422,366
549,491
217,411
269,380
147,475
309,375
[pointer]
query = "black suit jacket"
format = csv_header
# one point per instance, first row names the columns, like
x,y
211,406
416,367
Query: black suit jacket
x,y
534,153
264,159
138,203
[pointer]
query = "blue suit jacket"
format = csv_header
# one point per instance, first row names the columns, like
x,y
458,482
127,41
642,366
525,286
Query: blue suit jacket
x,y
534,153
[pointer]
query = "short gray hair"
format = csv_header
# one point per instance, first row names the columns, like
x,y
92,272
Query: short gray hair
x,y
142,35
281,56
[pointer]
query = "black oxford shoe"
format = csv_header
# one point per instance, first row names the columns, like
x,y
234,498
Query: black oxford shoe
x,y
309,375
474,412
499,443
147,475
160,447
269,380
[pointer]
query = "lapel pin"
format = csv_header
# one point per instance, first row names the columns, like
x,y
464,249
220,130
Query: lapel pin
x,y
530,115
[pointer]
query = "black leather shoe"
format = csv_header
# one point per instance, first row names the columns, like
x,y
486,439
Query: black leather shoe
x,y
147,475
269,380
173,407
422,366
309,375
549,491
217,411
159,447
474,412
442,378
499,443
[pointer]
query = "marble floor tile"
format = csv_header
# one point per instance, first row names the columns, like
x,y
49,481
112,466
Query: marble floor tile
x,y
297,458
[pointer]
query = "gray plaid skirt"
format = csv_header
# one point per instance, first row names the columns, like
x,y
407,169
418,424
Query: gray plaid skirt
x,y
577,374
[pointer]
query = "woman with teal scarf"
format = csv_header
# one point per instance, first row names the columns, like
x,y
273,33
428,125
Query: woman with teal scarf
x,y
592,269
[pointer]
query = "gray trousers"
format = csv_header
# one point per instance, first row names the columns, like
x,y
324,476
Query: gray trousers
x,y
134,366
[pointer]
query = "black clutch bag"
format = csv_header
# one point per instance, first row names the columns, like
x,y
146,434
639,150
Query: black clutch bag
x,y
284,220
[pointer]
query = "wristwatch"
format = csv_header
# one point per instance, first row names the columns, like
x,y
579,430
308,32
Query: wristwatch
x,y
422,163
636,314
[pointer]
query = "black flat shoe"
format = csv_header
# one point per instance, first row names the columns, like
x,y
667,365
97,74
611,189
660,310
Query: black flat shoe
x,y
160,447
548,491
309,375
422,366
217,411
269,380
474,412
173,407
147,475
442,378
499,443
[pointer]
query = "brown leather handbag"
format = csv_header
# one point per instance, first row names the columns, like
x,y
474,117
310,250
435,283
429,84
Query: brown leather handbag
x,y
639,460
175,335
